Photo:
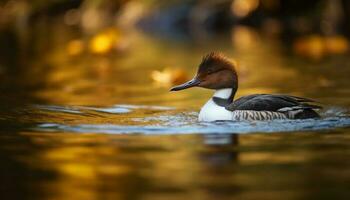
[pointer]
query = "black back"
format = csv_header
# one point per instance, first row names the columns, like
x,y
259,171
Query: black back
x,y
271,102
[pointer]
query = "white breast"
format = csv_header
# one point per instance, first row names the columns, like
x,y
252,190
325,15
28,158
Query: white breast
x,y
212,112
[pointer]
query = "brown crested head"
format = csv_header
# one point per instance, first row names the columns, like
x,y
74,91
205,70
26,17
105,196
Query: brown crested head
x,y
214,72
217,71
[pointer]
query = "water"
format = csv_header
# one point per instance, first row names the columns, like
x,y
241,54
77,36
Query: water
x,y
168,120
97,127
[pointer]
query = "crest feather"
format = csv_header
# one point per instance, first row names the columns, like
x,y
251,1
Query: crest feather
x,y
213,57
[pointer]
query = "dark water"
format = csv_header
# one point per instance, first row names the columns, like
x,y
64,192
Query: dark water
x,y
97,127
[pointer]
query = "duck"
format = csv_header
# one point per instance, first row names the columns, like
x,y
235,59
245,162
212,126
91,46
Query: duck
x,y
217,72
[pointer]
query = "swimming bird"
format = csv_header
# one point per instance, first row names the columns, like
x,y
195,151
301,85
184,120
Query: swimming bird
x,y
217,72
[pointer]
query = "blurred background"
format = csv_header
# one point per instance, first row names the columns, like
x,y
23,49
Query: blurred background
x,y
100,52
66,66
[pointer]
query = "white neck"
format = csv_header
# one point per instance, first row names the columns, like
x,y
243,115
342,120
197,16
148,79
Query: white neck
x,y
212,112
223,93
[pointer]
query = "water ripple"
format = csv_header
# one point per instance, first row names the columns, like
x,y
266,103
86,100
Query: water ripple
x,y
171,121
203,128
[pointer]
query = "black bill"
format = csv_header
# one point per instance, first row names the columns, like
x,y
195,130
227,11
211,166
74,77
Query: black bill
x,y
189,84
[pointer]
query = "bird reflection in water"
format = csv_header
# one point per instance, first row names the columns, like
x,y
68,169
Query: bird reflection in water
x,y
221,148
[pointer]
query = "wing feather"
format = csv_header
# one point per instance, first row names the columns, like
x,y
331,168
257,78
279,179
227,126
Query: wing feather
x,y
271,102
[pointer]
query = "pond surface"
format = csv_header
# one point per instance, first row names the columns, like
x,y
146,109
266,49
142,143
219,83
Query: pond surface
x,y
88,126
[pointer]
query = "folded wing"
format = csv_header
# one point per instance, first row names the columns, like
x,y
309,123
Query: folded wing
x,y
272,102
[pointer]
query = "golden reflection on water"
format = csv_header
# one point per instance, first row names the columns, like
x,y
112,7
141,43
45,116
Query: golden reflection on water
x,y
90,166
85,79
128,67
